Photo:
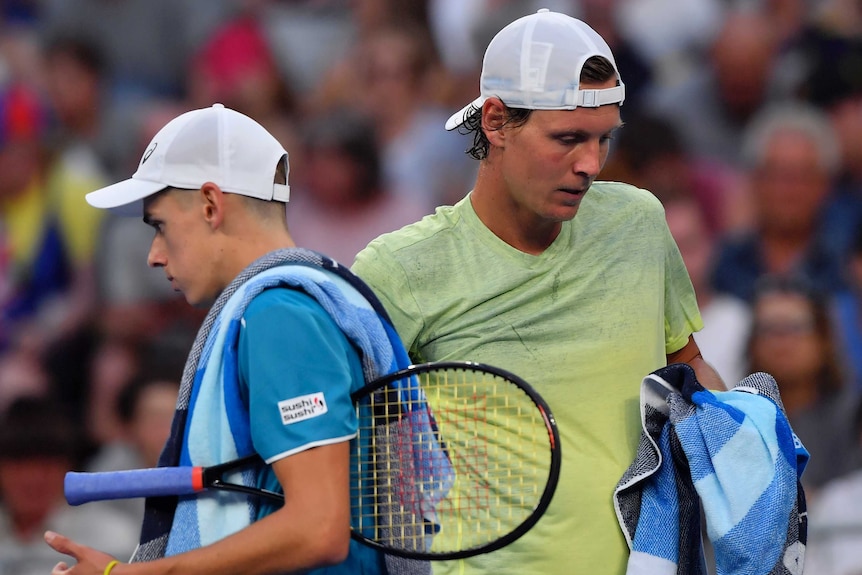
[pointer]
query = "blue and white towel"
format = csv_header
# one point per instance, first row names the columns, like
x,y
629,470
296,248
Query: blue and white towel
x,y
209,394
730,455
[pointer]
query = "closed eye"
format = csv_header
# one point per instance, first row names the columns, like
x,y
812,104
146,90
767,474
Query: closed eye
x,y
157,225
571,139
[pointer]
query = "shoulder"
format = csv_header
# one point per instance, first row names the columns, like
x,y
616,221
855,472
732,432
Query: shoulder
x,y
444,218
280,314
619,194
619,199
280,298
281,310
429,234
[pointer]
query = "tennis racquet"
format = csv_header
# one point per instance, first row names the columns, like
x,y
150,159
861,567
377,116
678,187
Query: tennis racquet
x,y
451,459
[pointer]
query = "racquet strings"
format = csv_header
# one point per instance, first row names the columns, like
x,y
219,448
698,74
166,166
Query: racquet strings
x,y
454,460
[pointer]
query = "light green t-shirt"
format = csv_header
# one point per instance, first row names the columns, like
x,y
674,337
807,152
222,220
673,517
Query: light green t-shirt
x,y
583,322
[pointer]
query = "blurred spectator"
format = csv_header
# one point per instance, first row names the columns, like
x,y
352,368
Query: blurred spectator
x,y
113,365
714,105
308,38
47,233
392,76
341,202
726,319
790,18
835,521
114,359
792,156
649,153
147,43
834,85
672,36
145,408
372,15
843,17
19,46
22,373
85,118
793,340
236,67
848,311
39,443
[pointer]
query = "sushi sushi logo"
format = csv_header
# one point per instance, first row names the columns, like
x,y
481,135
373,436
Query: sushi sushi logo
x,y
301,408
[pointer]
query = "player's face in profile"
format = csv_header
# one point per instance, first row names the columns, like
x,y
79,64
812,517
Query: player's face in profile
x,y
550,162
181,245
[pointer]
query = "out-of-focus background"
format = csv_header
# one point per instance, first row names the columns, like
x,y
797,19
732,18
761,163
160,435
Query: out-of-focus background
x,y
743,117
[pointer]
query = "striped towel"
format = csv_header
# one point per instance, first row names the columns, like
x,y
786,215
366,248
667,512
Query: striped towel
x,y
730,455
209,396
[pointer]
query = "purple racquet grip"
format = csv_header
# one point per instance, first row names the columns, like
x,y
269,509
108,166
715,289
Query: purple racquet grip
x,y
84,487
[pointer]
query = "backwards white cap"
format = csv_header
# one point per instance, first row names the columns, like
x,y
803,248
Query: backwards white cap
x,y
213,144
535,63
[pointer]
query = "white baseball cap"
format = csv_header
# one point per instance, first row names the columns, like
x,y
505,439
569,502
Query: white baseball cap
x,y
535,63
213,144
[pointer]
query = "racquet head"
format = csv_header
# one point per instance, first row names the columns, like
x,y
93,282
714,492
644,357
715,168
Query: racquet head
x,y
451,459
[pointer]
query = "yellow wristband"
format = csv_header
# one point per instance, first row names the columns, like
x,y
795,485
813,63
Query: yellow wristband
x,y
109,567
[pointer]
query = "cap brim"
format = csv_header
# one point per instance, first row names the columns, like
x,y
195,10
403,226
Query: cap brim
x,y
124,198
460,116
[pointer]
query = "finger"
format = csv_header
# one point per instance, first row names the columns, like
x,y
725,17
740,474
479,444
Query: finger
x,y
60,569
62,544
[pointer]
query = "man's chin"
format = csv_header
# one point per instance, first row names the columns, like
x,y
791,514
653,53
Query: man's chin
x,y
565,213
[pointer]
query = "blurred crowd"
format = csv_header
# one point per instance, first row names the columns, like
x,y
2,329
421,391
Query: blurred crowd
x,y
743,117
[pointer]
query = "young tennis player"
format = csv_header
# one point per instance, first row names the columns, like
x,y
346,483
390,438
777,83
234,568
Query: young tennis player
x,y
581,307
213,186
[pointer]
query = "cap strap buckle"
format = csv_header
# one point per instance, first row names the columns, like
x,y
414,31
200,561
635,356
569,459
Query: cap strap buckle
x,y
596,98
280,192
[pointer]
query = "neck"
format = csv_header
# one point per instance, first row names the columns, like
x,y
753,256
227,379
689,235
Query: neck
x,y
519,227
243,247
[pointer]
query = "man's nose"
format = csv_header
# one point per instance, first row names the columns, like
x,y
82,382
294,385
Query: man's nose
x,y
589,159
155,257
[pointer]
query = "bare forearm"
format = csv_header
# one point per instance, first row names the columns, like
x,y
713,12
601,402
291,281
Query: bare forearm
x,y
311,530
706,374
267,546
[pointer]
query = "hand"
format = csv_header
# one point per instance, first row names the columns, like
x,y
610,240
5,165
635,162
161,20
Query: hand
x,y
89,561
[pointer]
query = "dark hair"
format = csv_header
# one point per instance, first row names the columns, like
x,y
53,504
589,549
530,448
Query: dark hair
x,y
40,427
596,70
281,171
82,49
352,134
130,396
162,363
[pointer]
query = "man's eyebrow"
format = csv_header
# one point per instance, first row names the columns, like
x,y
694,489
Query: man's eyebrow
x,y
148,219
615,129
584,133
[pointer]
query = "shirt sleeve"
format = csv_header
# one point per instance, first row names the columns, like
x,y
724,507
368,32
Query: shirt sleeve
x,y
298,368
381,271
682,315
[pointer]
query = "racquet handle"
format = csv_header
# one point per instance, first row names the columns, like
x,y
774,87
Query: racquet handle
x,y
85,487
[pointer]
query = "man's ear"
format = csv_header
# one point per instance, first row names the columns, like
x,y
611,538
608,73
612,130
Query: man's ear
x,y
212,204
494,121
